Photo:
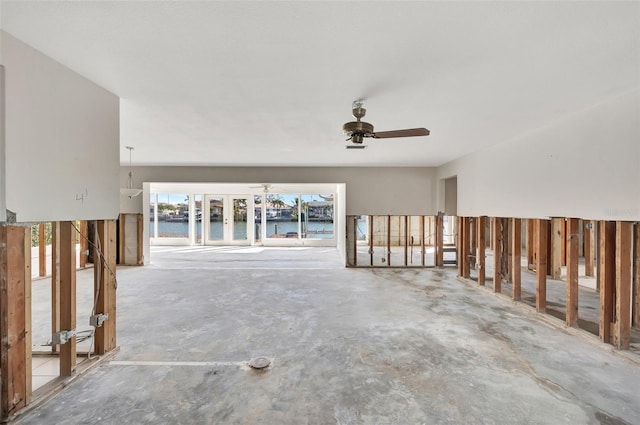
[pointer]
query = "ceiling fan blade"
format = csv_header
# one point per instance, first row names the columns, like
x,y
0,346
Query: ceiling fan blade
x,y
411,132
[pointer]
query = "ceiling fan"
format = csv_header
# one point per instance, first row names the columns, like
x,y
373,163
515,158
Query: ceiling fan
x,y
264,186
358,130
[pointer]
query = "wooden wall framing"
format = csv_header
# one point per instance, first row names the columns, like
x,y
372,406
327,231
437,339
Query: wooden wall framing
x,y
15,318
482,244
516,254
618,264
496,241
105,285
15,305
439,248
67,311
572,239
636,275
42,250
606,271
557,244
622,328
541,231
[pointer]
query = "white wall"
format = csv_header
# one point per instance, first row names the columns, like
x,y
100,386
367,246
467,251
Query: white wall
x,y
377,191
585,165
62,140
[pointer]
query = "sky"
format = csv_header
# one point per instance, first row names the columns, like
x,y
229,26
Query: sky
x,y
182,198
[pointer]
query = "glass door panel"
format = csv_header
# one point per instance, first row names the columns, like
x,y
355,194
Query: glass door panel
x,y
239,222
216,218
257,202
197,214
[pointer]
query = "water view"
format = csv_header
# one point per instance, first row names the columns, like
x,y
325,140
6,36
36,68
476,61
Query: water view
x,y
180,229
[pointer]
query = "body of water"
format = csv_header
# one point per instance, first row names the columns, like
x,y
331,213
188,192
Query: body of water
x,y
180,229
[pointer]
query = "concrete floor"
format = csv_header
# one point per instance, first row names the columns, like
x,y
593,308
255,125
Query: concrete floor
x,y
348,346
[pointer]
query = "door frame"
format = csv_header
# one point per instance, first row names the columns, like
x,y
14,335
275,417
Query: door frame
x,y
227,220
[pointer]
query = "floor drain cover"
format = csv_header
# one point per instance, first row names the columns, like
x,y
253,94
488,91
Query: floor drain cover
x,y
259,362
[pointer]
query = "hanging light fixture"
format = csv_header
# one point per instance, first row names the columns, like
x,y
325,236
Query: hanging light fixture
x,y
129,190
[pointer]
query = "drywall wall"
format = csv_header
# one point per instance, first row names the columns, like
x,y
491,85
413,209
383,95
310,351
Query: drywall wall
x,y
376,191
62,140
585,165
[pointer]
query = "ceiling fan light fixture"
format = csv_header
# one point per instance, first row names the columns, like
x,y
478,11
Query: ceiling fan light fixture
x,y
358,130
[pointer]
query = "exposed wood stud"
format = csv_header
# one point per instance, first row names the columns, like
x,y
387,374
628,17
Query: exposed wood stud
x,y
140,240
388,240
28,329
473,250
606,271
531,259
15,318
370,231
557,241
459,229
516,253
105,285
572,235
636,275
55,281
589,248
507,234
497,253
67,296
406,240
84,244
481,250
121,239
466,244
563,245
549,251
42,250
422,219
622,328
439,241
492,223
541,230
355,239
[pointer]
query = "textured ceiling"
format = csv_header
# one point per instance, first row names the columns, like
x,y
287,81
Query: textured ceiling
x,y
271,83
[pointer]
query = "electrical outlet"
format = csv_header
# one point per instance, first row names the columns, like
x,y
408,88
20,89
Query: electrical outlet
x,y
97,320
62,337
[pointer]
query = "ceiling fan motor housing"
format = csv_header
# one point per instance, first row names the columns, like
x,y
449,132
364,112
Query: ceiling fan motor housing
x,y
357,130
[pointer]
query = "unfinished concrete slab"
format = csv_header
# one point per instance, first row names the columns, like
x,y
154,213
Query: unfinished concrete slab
x,y
347,346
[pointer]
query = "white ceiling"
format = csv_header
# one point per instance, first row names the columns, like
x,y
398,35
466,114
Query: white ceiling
x,y
271,83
